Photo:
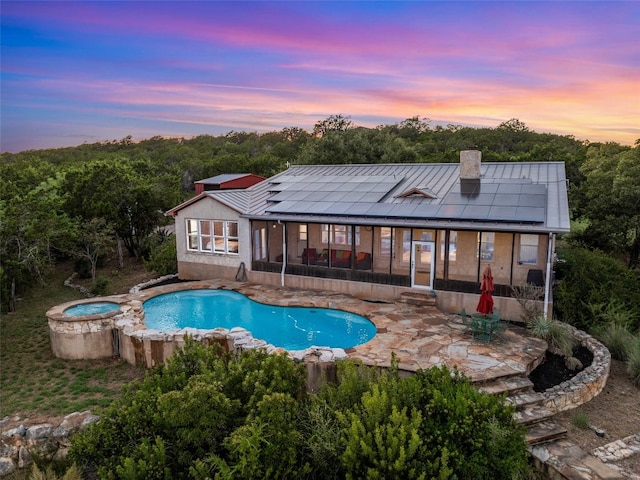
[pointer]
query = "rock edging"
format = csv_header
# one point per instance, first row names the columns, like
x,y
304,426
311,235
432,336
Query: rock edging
x,y
585,385
19,445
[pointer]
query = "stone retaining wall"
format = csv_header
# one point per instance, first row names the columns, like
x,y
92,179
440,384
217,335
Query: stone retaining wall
x,y
46,441
586,384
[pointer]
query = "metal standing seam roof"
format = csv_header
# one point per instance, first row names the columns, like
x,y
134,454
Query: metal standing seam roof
x,y
519,196
225,177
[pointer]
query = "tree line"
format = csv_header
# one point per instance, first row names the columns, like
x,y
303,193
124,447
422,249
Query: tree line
x,y
85,202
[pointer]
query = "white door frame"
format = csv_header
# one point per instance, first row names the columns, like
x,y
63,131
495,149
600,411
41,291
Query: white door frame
x,y
414,244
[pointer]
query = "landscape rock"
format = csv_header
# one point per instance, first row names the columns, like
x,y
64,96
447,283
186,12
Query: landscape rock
x,y
7,467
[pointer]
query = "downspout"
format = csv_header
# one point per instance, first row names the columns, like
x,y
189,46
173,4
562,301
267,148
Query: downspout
x,y
547,286
284,252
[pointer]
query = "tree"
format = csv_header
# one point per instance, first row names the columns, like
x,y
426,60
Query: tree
x,y
609,198
33,229
114,191
334,123
94,239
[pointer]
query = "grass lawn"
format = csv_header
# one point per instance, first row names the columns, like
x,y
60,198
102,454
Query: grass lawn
x,y
35,383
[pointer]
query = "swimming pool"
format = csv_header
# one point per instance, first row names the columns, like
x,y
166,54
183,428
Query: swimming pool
x,y
93,308
292,328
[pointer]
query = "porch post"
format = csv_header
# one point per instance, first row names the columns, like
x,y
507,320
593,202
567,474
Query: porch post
x,y
547,286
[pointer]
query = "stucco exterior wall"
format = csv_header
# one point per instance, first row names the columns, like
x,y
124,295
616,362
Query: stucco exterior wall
x,y
196,265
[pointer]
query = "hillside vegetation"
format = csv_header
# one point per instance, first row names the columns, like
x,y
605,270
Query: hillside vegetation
x,y
88,202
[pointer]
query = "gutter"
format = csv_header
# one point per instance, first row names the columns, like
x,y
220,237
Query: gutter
x,y
547,286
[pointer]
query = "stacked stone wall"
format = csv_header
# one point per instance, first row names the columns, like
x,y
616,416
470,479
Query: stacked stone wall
x,y
585,385
46,442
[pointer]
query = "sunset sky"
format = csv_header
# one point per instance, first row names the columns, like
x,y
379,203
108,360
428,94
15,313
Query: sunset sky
x,y
76,72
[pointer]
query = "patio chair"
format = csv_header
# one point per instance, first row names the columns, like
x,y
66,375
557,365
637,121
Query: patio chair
x,y
309,256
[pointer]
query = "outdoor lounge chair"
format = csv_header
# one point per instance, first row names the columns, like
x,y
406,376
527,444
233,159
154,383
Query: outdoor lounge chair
x,y
309,256
363,261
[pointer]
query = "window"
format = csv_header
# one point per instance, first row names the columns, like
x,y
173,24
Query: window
x,y
302,232
192,235
232,237
385,241
205,236
528,249
338,234
486,240
212,236
453,241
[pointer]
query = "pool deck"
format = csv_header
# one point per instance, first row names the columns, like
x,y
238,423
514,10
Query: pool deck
x,y
419,336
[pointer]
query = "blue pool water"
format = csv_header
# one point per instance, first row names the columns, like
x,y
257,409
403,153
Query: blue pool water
x,y
93,308
292,328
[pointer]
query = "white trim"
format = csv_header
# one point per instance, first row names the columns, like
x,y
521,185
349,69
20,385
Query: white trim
x,y
432,245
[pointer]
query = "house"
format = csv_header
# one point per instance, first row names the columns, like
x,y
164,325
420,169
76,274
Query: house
x,y
376,231
227,181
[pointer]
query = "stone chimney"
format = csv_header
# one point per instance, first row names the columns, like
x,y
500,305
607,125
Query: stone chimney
x,y
470,164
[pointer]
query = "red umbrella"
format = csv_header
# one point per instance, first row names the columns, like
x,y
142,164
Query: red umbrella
x,y
485,305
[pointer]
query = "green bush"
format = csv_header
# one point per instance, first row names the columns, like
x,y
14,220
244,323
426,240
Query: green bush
x,y
434,424
189,407
100,287
162,257
617,338
49,473
557,335
587,278
208,415
580,420
633,361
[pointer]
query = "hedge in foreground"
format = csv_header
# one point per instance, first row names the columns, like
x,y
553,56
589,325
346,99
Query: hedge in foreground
x,y
208,415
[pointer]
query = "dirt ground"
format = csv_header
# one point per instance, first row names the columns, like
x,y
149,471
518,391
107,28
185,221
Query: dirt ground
x,y
616,410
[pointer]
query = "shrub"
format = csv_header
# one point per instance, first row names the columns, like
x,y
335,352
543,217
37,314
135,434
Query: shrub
x,y
633,361
189,407
555,333
617,338
207,414
527,297
100,287
72,473
580,420
162,255
592,278
434,424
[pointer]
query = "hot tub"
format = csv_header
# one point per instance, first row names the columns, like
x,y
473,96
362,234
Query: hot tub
x,y
84,329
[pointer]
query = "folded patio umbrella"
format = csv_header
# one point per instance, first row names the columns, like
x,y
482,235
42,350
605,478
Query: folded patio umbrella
x,y
485,305
487,280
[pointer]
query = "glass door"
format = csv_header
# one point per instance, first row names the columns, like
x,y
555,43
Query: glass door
x,y
422,264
